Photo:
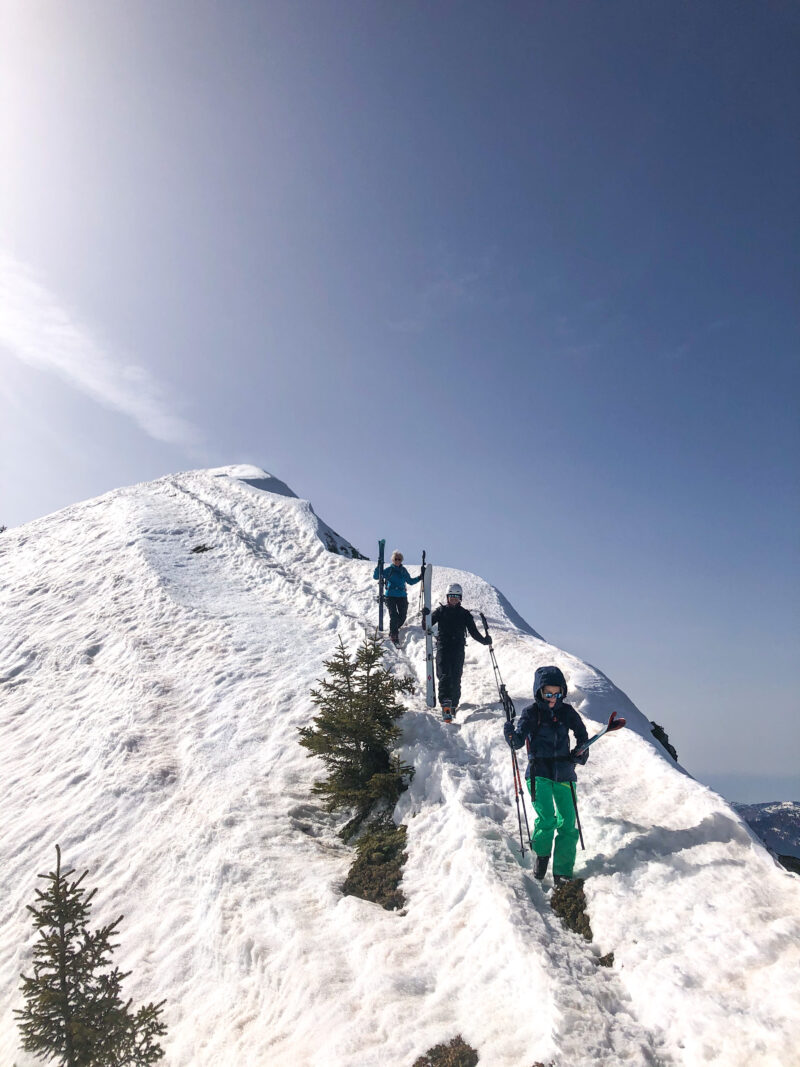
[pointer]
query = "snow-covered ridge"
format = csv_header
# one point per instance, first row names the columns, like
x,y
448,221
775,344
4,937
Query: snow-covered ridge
x,y
149,699
268,483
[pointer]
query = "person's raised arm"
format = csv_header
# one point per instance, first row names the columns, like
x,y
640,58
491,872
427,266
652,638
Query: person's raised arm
x,y
409,579
474,632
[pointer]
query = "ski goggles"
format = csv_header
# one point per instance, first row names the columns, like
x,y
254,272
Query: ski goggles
x,y
453,596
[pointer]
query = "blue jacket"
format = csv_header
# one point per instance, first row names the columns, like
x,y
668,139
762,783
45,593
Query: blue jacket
x,y
396,579
547,733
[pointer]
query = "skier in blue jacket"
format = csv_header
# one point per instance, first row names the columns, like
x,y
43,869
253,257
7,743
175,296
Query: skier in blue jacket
x,y
545,725
396,578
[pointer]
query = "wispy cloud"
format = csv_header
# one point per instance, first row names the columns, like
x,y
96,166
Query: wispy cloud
x,y
448,286
696,340
38,330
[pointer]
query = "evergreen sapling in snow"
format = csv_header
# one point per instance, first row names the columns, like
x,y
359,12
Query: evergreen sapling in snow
x,y
354,732
74,1012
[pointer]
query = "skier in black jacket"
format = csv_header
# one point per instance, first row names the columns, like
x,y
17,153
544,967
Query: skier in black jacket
x,y
453,621
546,725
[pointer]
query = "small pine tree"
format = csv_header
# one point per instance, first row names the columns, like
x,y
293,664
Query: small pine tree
x,y
354,731
74,1011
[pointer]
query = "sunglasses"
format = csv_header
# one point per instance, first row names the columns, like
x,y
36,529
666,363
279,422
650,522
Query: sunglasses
x,y
552,696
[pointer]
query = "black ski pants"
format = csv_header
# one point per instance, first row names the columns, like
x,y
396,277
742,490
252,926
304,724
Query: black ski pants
x,y
449,668
398,609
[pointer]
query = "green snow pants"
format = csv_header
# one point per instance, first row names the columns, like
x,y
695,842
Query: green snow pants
x,y
555,814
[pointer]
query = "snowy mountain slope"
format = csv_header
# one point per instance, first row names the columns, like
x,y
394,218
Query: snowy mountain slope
x,y
149,699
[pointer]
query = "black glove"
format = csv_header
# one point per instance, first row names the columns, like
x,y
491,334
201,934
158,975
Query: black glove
x,y
508,731
579,757
488,639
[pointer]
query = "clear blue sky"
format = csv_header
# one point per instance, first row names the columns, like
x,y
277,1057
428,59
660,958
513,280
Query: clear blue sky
x,y
515,282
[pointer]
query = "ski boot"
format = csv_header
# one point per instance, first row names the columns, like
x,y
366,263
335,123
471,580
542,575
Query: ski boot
x,y
540,868
560,879
395,639
447,711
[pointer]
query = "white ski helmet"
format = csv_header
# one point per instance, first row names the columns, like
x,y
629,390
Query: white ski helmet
x,y
454,589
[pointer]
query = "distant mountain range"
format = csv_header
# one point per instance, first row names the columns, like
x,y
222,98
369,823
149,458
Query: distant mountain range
x,y
778,826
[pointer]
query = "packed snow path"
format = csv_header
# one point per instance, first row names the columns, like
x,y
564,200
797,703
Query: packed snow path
x,y
149,700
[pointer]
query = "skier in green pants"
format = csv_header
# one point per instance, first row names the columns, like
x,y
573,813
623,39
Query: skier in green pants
x,y
545,725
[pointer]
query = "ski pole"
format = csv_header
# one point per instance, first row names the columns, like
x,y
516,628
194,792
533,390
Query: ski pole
x,y
505,699
577,816
517,792
511,714
519,795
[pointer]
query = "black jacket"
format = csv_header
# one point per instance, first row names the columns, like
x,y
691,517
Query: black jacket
x,y
548,733
454,621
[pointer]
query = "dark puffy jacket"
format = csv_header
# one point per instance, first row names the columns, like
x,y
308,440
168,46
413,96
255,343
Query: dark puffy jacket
x,y
396,578
548,733
454,621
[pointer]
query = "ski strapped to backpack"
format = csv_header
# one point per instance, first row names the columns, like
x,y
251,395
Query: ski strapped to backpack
x,y
511,714
381,583
430,689
614,723
421,603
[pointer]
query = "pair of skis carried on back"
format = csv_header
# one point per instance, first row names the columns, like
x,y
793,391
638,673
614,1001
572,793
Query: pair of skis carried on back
x,y
427,629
